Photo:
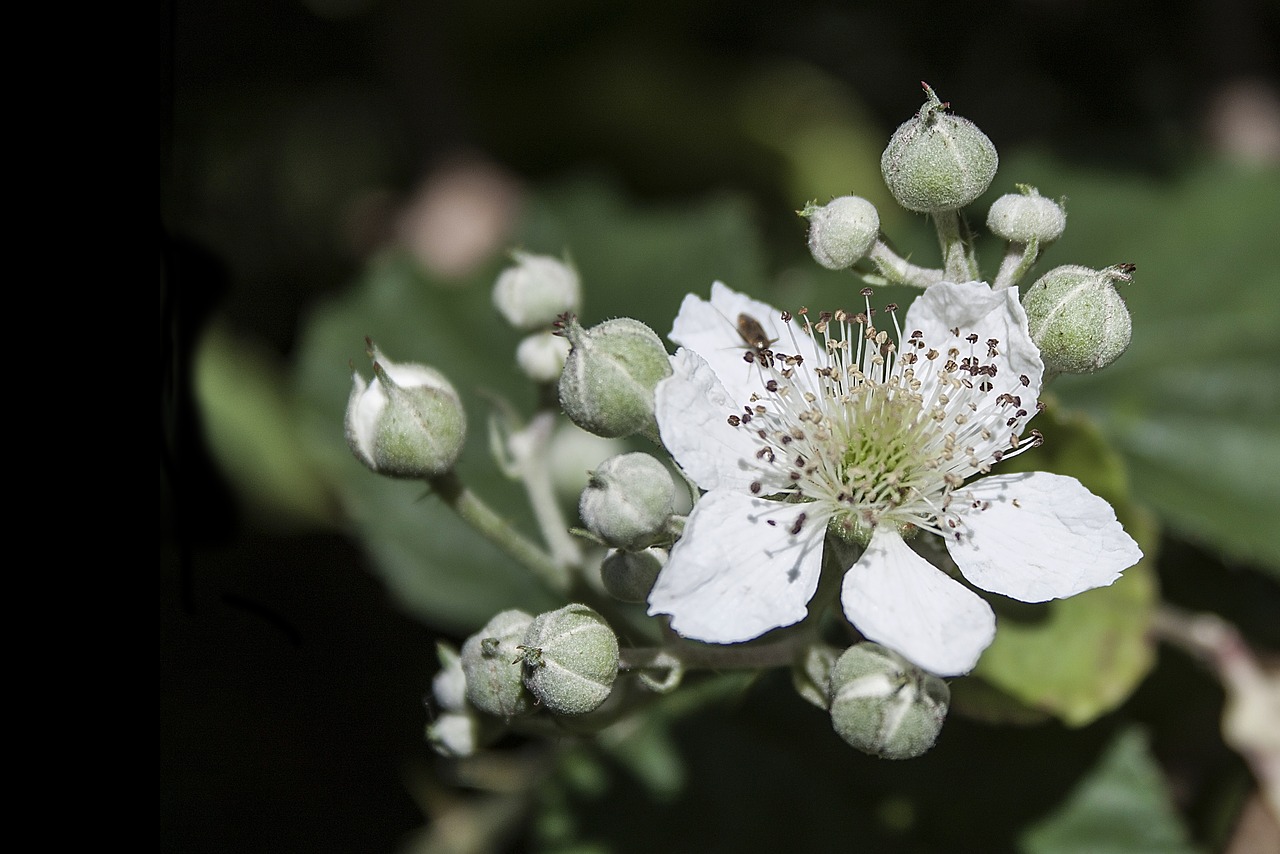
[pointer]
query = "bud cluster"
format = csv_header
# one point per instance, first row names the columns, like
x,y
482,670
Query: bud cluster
x,y
564,661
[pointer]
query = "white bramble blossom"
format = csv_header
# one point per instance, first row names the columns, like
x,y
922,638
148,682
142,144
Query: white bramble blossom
x,y
800,425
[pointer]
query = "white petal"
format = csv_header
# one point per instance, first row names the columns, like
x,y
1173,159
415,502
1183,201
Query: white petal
x,y
738,571
693,408
974,308
711,330
1040,536
899,599
364,407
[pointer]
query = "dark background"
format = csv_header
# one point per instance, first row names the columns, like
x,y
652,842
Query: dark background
x,y
291,686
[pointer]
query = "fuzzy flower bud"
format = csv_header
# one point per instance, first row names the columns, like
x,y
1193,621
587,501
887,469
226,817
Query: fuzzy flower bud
x,y
884,705
536,291
811,673
456,734
570,659
490,661
936,161
407,422
541,356
841,231
1026,216
449,686
628,500
607,384
629,576
1077,319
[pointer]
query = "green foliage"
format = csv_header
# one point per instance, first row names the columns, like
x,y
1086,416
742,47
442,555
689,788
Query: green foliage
x,y
1194,405
1121,807
251,427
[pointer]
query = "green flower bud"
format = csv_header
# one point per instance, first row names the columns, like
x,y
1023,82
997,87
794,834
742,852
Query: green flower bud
x,y
570,659
884,705
936,161
536,291
842,231
811,673
607,384
1026,216
574,453
628,500
541,356
490,661
407,422
1077,319
629,576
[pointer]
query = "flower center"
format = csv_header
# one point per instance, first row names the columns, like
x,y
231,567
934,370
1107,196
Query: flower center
x,y
870,436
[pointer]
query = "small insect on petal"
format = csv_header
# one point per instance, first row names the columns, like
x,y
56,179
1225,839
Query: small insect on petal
x,y
752,332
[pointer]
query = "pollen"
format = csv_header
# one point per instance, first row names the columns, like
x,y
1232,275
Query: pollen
x,y
868,435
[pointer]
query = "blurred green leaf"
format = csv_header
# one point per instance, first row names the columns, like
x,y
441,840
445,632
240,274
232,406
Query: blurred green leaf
x,y
1194,405
249,423
633,262
1076,658
1121,807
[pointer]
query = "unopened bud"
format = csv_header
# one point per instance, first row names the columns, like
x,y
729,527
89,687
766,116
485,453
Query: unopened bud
x,y
842,231
607,384
536,291
629,576
884,705
407,422
456,734
811,673
541,356
937,161
491,661
1077,319
570,659
628,500
449,686
1026,216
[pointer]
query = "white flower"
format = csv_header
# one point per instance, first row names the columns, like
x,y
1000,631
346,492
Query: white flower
x,y
795,426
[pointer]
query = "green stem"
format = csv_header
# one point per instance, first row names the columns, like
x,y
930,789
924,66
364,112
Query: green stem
x,y
530,455
899,271
1018,259
689,656
957,262
494,528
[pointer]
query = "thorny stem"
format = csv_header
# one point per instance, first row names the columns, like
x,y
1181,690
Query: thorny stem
x,y
494,528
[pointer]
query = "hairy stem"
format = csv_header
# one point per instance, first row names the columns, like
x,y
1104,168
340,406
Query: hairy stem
x,y
498,531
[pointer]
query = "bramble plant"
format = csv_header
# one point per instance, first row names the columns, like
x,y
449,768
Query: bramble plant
x,y
860,494
852,456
